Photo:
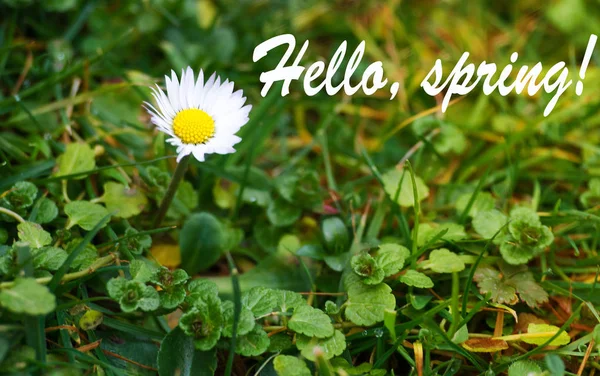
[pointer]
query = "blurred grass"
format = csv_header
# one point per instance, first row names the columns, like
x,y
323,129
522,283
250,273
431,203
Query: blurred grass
x,y
79,71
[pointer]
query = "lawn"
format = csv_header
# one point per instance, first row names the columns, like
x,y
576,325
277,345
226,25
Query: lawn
x,y
311,234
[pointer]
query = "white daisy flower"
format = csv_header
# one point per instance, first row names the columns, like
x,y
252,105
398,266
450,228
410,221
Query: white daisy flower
x,y
201,117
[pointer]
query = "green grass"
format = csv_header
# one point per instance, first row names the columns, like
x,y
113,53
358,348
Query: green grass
x,y
315,187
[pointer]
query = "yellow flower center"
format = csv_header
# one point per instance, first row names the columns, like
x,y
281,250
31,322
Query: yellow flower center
x,y
193,126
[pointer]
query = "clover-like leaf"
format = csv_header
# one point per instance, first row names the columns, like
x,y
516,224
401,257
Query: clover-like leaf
x,y
366,266
85,258
330,347
416,279
286,365
245,323
29,297
366,304
443,261
483,202
124,201
335,235
204,323
398,184
428,231
165,278
49,258
133,295
253,343
282,213
34,235
260,300
85,214
311,322
390,258
524,368
201,290
488,223
77,158
171,297
20,196
288,300
504,285
135,243
142,270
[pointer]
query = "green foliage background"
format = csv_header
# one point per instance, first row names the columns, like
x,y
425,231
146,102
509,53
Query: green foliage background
x,y
347,235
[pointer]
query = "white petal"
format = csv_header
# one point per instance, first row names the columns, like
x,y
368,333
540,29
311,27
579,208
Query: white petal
x,y
198,153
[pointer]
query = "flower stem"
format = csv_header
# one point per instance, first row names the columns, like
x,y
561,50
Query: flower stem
x,y
166,201
12,214
99,263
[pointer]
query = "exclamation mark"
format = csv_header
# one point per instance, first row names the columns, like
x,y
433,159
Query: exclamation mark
x,y
585,62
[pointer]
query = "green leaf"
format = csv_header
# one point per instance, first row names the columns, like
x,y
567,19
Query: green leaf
x,y
201,289
302,187
86,256
141,270
21,196
91,320
555,365
286,365
591,197
330,347
47,211
186,199
171,297
311,322
125,202
133,295
288,300
524,368
483,202
282,213
280,342
562,339
416,279
77,158
260,300
443,261
204,323
245,323
254,343
504,285
137,244
366,304
85,214
28,297
335,235
165,278
365,266
49,258
428,231
178,356
201,242
331,308
596,333
515,253
34,235
391,181
488,223
391,257
341,363
461,335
